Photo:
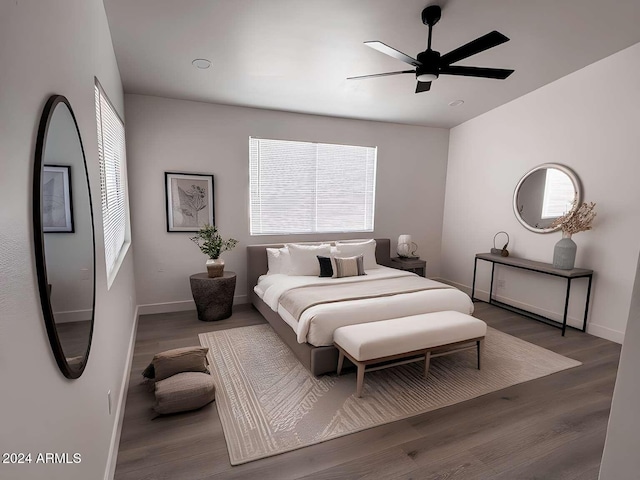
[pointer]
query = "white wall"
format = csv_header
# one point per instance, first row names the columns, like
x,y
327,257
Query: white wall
x,y
46,48
176,135
620,458
589,121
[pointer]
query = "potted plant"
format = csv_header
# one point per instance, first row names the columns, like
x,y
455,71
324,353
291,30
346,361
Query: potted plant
x,y
212,245
578,219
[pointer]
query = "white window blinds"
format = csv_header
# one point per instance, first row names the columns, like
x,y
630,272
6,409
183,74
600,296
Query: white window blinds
x,y
112,157
300,187
559,194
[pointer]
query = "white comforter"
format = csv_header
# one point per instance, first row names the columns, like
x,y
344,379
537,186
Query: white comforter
x,y
317,323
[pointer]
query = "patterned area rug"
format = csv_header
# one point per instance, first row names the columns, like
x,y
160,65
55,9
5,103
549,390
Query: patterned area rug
x,y
270,404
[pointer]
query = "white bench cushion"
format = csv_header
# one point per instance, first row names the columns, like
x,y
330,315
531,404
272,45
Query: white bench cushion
x,y
367,341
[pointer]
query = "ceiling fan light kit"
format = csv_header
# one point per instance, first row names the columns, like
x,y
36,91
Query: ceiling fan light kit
x,y
429,65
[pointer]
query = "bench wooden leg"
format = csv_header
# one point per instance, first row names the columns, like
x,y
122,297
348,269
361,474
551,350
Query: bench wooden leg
x,y
360,379
480,346
427,361
340,361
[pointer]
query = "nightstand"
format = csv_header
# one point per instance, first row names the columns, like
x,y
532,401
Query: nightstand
x,y
213,295
414,265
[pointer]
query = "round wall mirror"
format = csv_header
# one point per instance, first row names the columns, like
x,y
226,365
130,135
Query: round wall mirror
x,y
545,193
64,236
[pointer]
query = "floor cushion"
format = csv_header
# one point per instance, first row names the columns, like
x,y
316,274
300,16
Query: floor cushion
x,y
183,392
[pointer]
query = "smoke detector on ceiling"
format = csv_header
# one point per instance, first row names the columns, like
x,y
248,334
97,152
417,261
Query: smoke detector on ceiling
x,y
201,63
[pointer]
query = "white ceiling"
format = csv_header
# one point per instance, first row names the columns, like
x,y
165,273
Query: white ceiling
x,y
295,55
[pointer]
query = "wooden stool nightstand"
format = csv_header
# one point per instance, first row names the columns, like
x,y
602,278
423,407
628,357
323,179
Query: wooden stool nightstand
x,y
415,265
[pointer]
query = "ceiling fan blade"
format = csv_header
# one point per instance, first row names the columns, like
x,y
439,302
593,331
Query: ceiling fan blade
x,y
381,75
498,73
478,45
423,87
392,52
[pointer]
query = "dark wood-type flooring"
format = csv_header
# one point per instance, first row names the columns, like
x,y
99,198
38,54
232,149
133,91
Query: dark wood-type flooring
x,y
550,428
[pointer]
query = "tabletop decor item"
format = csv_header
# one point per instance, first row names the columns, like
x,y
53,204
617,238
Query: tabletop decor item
x,y
500,251
406,248
577,220
212,245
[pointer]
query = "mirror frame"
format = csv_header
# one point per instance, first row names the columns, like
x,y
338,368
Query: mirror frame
x,y
38,238
576,185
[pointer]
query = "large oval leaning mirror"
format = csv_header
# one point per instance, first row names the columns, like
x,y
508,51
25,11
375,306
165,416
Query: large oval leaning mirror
x,y
64,236
545,193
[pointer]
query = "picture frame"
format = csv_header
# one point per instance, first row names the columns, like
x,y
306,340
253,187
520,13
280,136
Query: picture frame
x,y
189,201
57,199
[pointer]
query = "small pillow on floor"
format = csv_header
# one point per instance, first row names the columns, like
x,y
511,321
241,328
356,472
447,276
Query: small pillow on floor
x,y
183,392
178,360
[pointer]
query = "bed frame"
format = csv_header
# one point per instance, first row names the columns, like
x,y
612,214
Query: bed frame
x,y
318,360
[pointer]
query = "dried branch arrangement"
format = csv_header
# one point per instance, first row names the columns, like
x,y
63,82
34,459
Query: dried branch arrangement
x,y
577,220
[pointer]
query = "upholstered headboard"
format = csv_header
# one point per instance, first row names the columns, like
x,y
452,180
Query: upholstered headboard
x,y
257,260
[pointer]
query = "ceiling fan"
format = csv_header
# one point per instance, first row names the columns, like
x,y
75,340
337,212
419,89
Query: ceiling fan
x,y
429,65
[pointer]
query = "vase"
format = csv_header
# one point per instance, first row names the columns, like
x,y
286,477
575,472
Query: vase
x,y
215,267
564,253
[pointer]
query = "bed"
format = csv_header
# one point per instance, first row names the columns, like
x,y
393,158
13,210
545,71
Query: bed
x,y
309,333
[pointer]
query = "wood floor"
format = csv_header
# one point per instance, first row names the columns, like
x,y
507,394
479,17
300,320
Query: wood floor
x,y
550,428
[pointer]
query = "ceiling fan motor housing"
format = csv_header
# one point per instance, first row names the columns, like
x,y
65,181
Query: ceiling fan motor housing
x,y
428,71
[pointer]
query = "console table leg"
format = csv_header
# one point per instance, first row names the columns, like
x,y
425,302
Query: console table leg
x,y
586,306
493,268
473,285
566,307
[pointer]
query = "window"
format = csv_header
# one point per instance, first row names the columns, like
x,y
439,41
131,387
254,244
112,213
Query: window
x,y
300,187
559,194
112,159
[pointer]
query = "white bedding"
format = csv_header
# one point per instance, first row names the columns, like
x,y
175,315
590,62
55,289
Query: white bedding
x,y
317,323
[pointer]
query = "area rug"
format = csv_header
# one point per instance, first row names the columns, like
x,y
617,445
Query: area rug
x,y
270,404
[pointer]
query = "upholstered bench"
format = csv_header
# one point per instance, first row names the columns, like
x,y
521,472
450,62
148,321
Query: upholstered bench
x,y
407,339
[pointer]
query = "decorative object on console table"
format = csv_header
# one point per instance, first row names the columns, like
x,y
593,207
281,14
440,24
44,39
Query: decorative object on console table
x,y
415,265
500,251
406,248
213,295
212,245
577,220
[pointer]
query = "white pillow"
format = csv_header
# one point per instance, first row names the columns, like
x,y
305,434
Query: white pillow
x,y
367,248
304,258
279,260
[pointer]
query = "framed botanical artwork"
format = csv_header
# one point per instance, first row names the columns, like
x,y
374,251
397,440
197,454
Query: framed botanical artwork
x,y
189,199
57,205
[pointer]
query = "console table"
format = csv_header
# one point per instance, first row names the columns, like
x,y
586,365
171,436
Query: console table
x,y
538,267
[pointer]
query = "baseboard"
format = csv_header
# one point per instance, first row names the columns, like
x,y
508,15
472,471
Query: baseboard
x,y
166,307
592,328
605,332
73,316
180,306
124,388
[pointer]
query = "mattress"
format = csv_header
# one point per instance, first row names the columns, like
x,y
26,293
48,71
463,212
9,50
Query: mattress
x,y
317,323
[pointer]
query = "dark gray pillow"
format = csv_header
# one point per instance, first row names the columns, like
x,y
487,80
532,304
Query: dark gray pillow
x,y
326,270
183,392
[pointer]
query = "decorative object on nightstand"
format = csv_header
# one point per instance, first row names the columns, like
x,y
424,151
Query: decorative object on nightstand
x,y
406,248
212,245
414,265
500,251
577,220
213,295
